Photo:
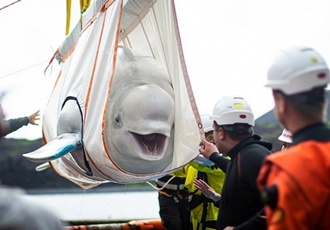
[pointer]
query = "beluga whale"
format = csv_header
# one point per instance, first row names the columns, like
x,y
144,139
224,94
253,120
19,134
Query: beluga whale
x,y
122,108
138,119
140,114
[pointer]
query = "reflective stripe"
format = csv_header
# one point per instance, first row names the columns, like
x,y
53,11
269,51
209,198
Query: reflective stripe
x,y
170,186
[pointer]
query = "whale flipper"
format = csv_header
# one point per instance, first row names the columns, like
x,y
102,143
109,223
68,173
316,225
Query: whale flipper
x,y
56,148
42,167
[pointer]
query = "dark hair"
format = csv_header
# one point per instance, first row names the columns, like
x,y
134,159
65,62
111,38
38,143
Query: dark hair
x,y
237,131
208,135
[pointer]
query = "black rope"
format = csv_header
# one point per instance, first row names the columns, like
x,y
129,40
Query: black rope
x,y
9,5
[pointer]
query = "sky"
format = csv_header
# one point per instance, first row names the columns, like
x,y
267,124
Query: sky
x,y
227,44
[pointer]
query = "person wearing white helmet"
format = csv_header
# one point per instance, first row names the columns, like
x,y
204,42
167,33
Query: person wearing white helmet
x,y
285,138
240,205
295,184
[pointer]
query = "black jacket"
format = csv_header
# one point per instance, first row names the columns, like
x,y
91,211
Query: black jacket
x,y
240,204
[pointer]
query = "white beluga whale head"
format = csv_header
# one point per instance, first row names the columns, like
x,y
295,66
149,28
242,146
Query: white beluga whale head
x,y
140,115
145,118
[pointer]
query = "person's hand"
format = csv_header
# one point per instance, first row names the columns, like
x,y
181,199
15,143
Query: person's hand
x,y
207,190
206,148
228,228
34,117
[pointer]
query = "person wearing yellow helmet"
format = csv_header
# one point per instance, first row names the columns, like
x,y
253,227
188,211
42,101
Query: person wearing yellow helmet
x,y
295,184
240,205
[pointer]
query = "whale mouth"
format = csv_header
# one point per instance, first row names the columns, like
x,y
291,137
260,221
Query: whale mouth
x,y
151,145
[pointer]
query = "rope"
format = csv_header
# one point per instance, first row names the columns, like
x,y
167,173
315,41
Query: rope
x,y
23,69
161,188
9,5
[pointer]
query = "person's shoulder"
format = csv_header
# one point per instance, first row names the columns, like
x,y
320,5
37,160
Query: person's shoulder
x,y
258,149
275,156
257,141
286,157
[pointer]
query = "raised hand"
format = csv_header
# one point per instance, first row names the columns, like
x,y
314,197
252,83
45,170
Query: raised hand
x,y
207,190
34,117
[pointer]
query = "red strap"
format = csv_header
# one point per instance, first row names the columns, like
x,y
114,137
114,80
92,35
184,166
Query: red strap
x,y
239,163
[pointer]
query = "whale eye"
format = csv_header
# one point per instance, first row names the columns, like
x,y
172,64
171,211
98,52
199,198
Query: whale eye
x,y
118,119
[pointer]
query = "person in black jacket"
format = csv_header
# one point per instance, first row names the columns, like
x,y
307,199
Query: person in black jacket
x,y
11,125
240,203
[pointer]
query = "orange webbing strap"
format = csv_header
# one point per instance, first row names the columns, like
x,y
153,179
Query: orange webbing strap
x,y
182,197
186,76
155,224
178,195
164,193
145,224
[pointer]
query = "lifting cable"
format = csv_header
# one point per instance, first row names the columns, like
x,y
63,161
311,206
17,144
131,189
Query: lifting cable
x,y
10,4
84,4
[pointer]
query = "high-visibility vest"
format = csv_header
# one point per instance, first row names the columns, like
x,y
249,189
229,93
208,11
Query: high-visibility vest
x,y
203,211
295,186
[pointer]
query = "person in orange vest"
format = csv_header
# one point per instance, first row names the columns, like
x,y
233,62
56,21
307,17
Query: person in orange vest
x,y
295,184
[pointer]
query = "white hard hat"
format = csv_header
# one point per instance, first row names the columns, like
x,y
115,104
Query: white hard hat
x,y
230,110
286,136
207,123
296,70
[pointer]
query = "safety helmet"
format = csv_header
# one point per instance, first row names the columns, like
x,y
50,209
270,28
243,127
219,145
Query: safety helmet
x,y
230,110
207,123
296,70
285,136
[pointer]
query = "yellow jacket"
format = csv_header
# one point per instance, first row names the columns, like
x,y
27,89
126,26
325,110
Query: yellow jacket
x,y
202,207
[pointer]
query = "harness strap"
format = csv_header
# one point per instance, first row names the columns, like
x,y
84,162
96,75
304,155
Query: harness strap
x,y
204,200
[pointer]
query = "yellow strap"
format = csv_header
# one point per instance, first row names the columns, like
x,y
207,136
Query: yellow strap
x,y
68,16
84,4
